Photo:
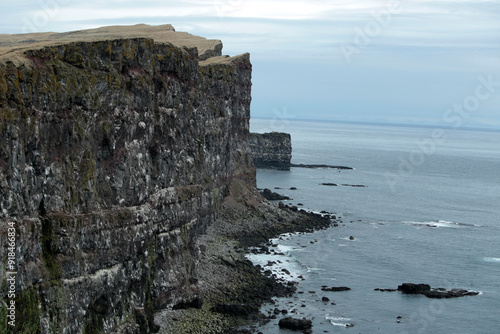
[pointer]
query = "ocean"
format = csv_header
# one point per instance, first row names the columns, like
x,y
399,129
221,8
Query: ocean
x,y
428,212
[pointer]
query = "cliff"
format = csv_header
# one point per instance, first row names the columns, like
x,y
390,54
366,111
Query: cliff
x,y
272,149
117,148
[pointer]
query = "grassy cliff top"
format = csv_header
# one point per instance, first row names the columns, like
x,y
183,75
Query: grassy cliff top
x,y
12,47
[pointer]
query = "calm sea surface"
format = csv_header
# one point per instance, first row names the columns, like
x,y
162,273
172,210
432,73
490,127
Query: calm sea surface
x,y
429,212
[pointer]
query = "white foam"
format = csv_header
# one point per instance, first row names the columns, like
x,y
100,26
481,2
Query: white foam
x,y
440,223
492,259
284,249
279,262
338,321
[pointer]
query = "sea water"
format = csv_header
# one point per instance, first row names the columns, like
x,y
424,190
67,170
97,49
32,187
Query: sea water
x,y
429,212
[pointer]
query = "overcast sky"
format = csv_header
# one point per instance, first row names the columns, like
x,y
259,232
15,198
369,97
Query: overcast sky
x,y
416,61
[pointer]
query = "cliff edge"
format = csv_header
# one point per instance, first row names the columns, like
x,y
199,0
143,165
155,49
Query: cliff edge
x,y
117,148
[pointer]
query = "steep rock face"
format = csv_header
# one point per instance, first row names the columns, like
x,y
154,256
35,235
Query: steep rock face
x,y
272,149
115,155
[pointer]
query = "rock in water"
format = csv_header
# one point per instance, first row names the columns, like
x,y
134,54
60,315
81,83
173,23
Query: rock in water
x,y
336,288
412,288
453,293
425,289
295,323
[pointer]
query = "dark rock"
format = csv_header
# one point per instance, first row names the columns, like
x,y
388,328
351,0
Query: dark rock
x,y
242,310
325,299
295,324
194,303
322,166
272,196
453,293
329,184
293,188
412,288
425,289
336,288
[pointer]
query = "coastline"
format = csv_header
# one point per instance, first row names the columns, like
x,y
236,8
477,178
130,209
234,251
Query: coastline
x,y
233,287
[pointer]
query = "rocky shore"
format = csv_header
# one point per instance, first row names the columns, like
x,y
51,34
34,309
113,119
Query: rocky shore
x,y
234,288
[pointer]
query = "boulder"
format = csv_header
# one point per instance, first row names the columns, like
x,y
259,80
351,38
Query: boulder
x,y
295,324
412,288
425,289
453,293
272,196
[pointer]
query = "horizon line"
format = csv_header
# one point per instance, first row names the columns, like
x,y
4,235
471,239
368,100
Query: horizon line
x,y
388,123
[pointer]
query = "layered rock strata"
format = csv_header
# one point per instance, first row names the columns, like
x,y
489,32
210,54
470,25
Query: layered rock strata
x,y
115,155
272,149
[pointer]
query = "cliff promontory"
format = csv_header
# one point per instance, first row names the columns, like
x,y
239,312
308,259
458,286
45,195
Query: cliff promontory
x,y
273,149
117,147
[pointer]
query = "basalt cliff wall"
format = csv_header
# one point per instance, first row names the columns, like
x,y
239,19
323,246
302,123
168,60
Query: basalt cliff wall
x,y
115,156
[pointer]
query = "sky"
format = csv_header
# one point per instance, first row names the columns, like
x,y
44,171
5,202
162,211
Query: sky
x,y
430,62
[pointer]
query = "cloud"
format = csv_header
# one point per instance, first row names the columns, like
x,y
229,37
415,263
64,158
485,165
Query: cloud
x,y
438,45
